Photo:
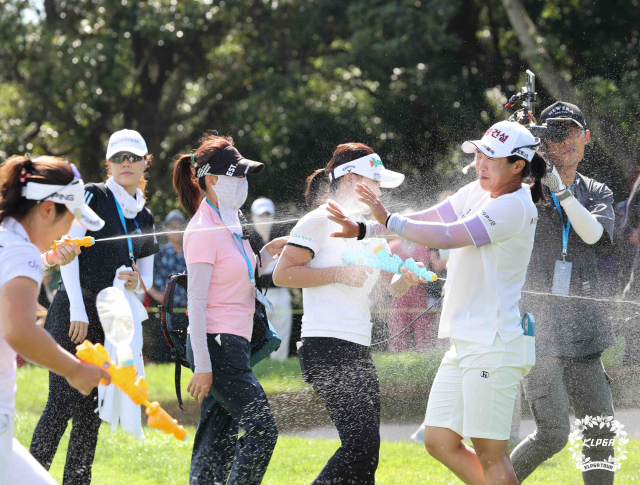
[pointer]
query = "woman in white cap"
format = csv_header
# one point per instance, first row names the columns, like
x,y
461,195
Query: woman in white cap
x,y
489,226
222,271
335,356
73,316
33,196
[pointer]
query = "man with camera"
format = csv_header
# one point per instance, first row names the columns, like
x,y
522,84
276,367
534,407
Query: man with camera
x,y
571,333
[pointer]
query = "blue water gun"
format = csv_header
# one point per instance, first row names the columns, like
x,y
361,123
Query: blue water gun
x,y
387,262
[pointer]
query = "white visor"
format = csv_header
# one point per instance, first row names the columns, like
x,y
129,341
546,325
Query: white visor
x,y
71,195
369,166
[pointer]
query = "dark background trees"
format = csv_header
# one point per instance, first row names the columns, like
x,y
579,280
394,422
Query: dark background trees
x,y
289,80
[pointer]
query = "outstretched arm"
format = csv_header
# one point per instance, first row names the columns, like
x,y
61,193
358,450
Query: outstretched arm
x,y
431,234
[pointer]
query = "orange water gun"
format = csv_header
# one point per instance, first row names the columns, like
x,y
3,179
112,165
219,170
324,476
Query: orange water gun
x,y
79,241
124,378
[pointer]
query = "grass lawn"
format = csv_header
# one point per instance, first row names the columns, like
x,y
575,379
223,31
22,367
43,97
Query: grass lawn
x,y
121,459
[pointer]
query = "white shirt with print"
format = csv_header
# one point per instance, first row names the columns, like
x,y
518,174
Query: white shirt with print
x,y
335,310
484,281
20,258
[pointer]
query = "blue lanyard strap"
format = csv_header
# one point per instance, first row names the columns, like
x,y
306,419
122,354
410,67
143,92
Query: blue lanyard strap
x,y
238,240
565,229
124,225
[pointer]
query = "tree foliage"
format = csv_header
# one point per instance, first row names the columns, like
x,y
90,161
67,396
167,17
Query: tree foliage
x,y
291,79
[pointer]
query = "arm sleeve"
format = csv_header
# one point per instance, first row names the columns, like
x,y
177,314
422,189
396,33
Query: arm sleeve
x,y
591,220
442,212
497,221
145,266
71,278
264,261
311,232
199,279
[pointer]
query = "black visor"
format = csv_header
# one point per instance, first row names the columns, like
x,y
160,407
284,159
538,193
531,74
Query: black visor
x,y
229,162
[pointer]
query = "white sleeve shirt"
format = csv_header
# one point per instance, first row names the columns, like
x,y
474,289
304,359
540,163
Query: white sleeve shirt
x,y
484,281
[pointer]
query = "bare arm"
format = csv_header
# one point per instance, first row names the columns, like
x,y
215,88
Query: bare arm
x,y
18,299
291,272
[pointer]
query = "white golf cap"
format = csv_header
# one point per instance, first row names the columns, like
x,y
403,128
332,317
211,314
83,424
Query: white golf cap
x,y
71,195
126,141
369,166
504,139
262,205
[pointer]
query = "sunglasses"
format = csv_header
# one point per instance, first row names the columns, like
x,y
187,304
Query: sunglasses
x,y
119,158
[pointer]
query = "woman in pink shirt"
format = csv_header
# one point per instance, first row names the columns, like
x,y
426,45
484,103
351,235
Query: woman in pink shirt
x,y
221,303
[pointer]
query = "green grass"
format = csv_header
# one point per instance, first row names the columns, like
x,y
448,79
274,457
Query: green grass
x,y
160,459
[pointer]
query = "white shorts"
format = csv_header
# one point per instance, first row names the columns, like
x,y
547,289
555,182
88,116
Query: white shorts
x,y
475,388
17,466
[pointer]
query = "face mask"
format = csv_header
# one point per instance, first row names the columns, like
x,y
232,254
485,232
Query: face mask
x,y
231,195
242,192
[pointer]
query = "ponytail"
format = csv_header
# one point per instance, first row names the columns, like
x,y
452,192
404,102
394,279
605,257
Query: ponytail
x,y
186,185
536,168
17,170
538,171
315,183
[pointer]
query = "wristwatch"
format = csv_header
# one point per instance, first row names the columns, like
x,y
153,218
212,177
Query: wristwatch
x,y
565,194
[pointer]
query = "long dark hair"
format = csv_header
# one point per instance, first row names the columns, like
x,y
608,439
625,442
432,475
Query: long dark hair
x,y
17,170
318,187
536,168
185,182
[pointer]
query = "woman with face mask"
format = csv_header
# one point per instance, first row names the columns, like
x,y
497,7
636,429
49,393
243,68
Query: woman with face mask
x,y
73,316
221,301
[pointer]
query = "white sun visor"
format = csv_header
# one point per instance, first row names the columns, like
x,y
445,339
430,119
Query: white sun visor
x,y
71,195
369,166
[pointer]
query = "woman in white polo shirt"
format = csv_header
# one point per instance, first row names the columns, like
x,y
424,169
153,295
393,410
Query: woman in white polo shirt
x,y
489,226
336,327
33,195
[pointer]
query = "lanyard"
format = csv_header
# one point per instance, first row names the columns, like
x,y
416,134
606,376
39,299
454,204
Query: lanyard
x,y
238,240
565,229
124,224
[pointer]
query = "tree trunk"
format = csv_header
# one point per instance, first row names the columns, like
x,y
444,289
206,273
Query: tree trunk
x,y
608,136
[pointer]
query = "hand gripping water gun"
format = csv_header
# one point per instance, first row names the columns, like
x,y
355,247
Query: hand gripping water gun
x,y
124,378
386,262
80,242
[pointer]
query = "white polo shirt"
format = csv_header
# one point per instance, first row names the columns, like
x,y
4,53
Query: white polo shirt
x,y
484,281
19,258
334,310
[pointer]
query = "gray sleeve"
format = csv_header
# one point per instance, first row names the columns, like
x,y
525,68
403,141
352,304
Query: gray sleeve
x,y
600,205
199,278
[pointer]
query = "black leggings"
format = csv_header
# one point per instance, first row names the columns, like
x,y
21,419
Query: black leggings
x,y
66,403
345,378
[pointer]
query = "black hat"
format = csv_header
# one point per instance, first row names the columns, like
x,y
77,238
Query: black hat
x,y
560,110
228,162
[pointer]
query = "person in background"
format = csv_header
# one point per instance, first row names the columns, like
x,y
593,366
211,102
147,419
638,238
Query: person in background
x,y
404,309
571,333
73,316
263,231
169,261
